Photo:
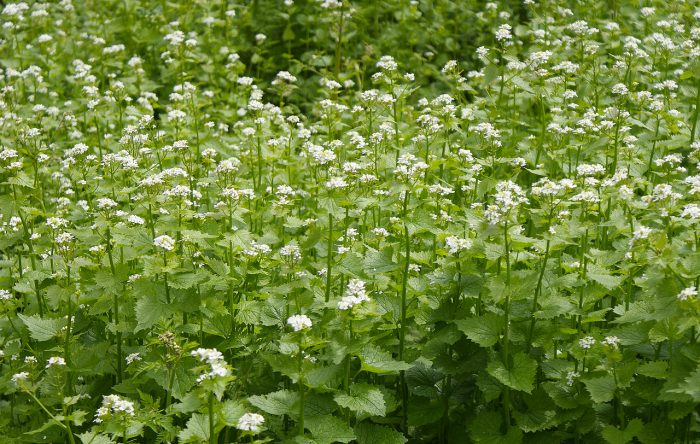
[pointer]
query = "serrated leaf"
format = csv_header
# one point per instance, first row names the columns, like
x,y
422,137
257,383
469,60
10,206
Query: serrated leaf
x,y
613,435
219,267
376,360
329,429
231,411
362,399
180,381
149,310
42,329
379,261
484,330
520,376
690,386
486,429
276,403
368,433
94,438
606,280
602,389
197,429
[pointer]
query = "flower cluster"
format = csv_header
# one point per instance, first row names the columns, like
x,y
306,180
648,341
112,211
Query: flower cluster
x,y
114,405
355,294
216,366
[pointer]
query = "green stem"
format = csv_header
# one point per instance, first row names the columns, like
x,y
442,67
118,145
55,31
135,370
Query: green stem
x,y
65,427
402,330
165,279
339,42
301,386
695,114
212,434
538,290
329,257
116,308
506,333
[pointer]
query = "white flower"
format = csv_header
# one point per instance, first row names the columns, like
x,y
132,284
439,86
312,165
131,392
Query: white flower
x,y
509,196
291,252
571,376
215,360
257,249
387,63
165,242
688,293
55,360
19,377
455,244
56,222
5,295
586,169
250,422
113,404
355,294
133,357
620,89
586,342
336,183
503,33
691,211
299,322
381,232
136,220
612,341
641,233
408,167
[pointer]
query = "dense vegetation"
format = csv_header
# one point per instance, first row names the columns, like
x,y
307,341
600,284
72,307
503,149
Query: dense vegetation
x,y
328,221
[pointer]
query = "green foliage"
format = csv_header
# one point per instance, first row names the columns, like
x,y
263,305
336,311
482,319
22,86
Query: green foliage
x,y
361,222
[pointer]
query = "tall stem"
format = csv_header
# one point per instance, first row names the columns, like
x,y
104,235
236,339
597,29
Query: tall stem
x,y
116,308
165,278
402,330
695,114
339,41
506,333
329,257
301,386
538,290
212,435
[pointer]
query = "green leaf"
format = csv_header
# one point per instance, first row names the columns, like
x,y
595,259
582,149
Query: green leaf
x,y
22,180
606,280
197,429
613,435
602,389
657,432
219,267
484,330
363,399
149,310
376,360
42,329
329,429
368,433
690,386
94,438
231,411
521,375
182,380
379,261
486,430
276,403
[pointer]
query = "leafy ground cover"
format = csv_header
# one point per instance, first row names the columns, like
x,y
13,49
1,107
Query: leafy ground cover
x,y
324,221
